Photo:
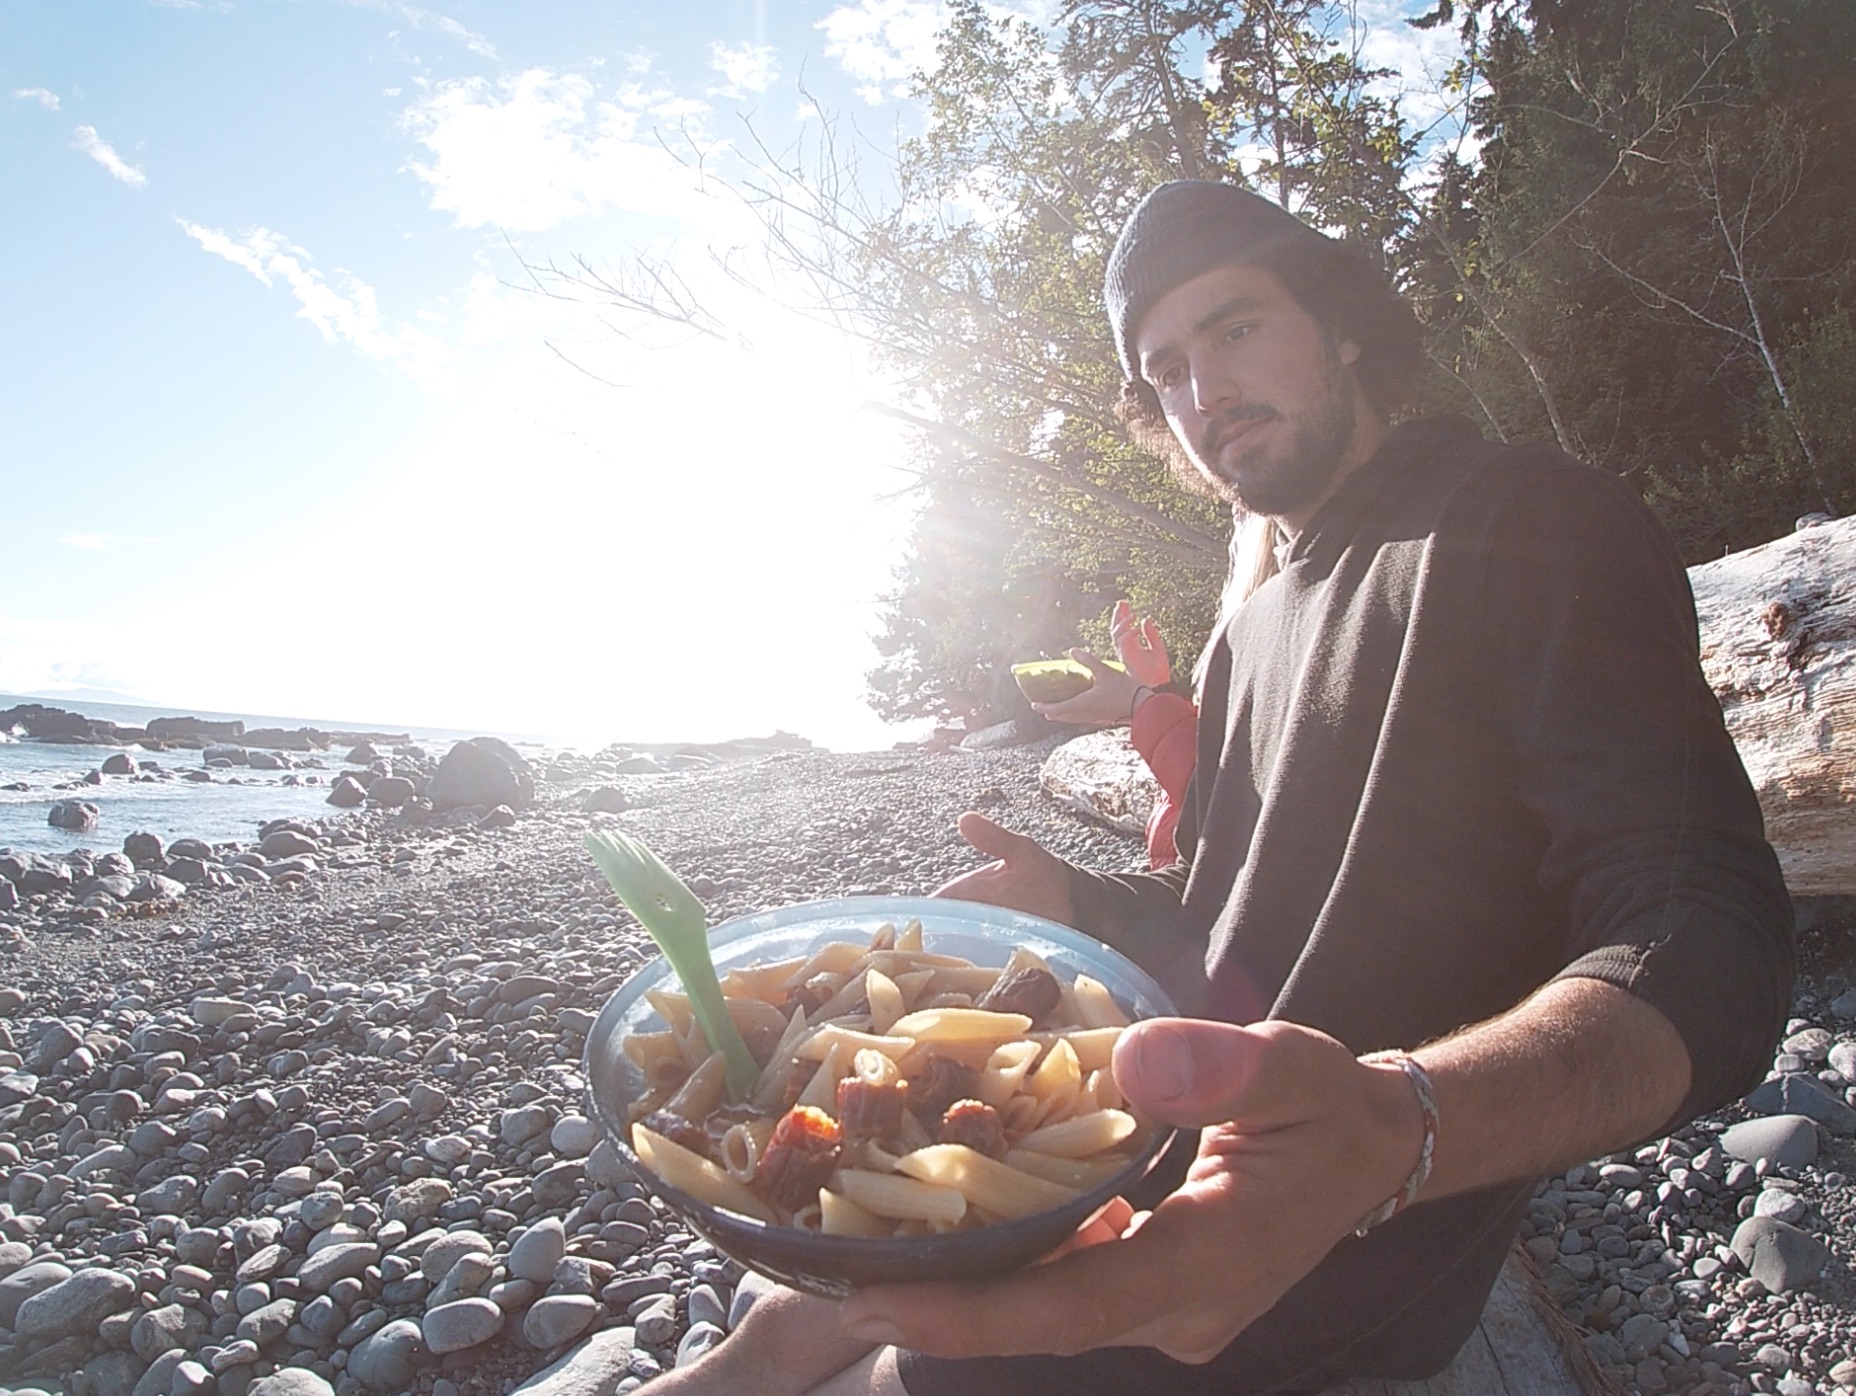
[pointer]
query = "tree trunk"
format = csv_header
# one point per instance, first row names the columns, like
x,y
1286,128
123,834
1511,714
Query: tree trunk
x,y
1778,643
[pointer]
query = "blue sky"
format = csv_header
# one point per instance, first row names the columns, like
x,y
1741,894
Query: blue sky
x,y
283,427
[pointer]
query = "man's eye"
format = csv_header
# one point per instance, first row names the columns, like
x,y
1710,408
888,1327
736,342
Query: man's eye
x,y
1170,378
1237,332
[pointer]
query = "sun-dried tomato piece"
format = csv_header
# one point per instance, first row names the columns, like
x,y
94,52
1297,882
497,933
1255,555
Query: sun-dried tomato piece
x,y
678,1130
975,1124
869,1111
799,1158
1030,991
812,995
938,1085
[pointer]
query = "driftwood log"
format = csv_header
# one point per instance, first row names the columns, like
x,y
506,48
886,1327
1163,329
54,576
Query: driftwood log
x,y
1778,644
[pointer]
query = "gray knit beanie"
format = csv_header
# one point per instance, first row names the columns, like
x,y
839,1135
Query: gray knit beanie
x,y
1182,230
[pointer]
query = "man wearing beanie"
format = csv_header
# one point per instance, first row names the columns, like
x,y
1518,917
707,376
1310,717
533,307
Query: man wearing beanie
x,y
1472,886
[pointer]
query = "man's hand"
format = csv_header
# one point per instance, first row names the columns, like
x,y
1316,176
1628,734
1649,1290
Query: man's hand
x,y
1138,646
1109,700
1026,878
1301,1142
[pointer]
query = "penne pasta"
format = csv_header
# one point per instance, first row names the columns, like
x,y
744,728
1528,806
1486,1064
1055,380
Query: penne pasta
x,y
997,1187
886,1002
1095,1007
1082,1136
695,1175
819,1045
701,1094
767,983
1079,1173
960,1025
821,1091
839,1216
902,1198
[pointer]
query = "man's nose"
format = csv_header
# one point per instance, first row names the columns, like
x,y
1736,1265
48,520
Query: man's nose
x,y
1214,387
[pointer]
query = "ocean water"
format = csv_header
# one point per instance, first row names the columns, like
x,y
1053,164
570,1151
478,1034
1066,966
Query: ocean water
x,y
177,808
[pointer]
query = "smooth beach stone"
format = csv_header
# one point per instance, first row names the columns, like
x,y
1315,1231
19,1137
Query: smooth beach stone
x,y
598,1364
1782,1205
1797,1094
560,1318
1779,1255
112,1373
388,1359
461,1324
753,1284
538,1250
574,1136
449,1249
267,1324
697,1341
291,1381
1788,1140
337,1262
170,1328
25,1282
465,1279
74,1305
320,1209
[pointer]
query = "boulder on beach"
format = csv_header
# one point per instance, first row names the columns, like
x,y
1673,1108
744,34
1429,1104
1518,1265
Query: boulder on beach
x,y
77,816
389,792
362,754
144,849
347,793
118,763
482,771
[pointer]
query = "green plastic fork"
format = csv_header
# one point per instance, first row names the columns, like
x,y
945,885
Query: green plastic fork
x,y
668,909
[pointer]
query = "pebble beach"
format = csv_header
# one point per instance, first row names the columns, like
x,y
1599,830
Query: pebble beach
x,y
319,1125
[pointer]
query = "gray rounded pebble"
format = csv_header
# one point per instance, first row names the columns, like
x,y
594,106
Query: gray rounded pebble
x,y
559,1318
538,1250
387,1360
461,1324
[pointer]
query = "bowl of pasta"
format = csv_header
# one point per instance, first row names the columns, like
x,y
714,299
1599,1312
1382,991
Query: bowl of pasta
x,y
933,1099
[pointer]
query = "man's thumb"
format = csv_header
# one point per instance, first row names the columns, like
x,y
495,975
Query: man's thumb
x,y
989,838
1190,1071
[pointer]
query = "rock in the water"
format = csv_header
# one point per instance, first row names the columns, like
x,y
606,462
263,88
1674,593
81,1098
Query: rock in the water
x,y
348,793
76,816
1788,1140
482,771
1778,1255
390,792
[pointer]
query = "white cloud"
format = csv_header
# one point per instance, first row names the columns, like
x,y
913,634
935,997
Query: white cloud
x,y
90,542
431,22
533,150
43,96
744,68
883,43
348,312
87,140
